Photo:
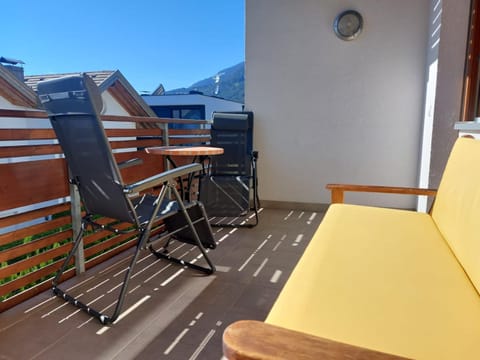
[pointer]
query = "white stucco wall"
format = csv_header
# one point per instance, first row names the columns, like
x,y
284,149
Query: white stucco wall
x,y
328,110
112,107
6,105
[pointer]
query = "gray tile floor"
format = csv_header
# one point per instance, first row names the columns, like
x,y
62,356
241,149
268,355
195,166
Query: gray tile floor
x,y
170,312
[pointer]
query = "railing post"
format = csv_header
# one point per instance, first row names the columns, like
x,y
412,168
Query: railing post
x,y
76,211
166,142
165,134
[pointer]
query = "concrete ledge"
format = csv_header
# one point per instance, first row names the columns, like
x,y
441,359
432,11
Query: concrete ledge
x,y
467,126
272,204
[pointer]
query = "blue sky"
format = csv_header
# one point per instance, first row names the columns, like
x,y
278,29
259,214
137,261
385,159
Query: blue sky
x,y
173,42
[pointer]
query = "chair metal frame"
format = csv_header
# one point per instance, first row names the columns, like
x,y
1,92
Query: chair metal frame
x,y
239,166
73,105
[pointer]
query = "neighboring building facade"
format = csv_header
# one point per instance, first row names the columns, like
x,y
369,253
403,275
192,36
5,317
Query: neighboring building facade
x,y
189,106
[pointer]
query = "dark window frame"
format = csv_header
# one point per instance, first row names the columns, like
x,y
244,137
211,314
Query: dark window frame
x,y
180,108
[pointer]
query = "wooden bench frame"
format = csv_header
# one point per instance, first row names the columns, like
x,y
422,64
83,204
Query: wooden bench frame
x,y
256,340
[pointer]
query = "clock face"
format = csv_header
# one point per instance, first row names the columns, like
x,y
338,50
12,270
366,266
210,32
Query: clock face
x,y
348,25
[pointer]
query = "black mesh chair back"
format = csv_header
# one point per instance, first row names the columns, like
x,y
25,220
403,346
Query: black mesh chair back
x,y
226,191
74,115
73,105
233,133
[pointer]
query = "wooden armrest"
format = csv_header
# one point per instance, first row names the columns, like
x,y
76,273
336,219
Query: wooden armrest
x,y
338,190
256,340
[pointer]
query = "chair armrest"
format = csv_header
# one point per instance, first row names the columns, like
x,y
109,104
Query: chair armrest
x,y
338,190
256,340
130,162
161,178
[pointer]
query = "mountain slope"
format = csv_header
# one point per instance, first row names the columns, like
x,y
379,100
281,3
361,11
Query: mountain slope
x,y
227,83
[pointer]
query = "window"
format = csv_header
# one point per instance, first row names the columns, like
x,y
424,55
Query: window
x,y
193,112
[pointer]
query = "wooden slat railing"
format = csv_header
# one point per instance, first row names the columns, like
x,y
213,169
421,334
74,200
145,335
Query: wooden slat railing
x,y
35,209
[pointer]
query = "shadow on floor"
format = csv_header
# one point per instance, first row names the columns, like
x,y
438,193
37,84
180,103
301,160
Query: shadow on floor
x,y
170,312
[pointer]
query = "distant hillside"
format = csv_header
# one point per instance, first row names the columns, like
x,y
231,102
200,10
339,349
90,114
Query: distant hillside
x,y
227,83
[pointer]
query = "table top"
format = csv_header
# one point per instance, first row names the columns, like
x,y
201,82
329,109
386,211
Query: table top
x,y
184,150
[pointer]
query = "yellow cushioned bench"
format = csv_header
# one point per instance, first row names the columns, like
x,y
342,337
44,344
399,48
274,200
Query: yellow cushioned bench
x,y
393,281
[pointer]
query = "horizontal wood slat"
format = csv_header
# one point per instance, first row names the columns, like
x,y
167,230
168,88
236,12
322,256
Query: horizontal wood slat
x,y
34,214
23,114
151,165
104,245
100,234
29,150
135,119
109,254
34,150
178,132
27,134
32,182
34,229
126,144
34,260
25,295
28,279
49,134
34,290
188,141
134,132
34,245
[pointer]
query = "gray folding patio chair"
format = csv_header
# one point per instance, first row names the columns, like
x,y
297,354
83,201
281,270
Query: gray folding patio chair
x,y
230,189
73,105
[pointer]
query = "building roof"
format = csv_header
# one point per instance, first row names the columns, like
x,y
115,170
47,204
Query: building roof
x,y
15,91
160,90
10,61
98,77
187,96
112,81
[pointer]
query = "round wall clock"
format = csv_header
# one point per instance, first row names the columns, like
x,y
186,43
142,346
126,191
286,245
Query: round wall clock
x,y
348,24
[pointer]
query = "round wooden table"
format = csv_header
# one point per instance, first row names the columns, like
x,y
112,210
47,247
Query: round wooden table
x,y
184,150
199,153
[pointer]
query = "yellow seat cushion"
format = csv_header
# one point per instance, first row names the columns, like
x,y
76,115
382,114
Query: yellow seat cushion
x,y
386,280
457,205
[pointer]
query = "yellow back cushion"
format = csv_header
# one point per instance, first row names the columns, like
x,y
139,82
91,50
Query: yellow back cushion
x,y
456,210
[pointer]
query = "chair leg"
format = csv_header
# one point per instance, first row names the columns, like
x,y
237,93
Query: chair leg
x,y
256,199
164,254
103,318
126,279
67,260
254,209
